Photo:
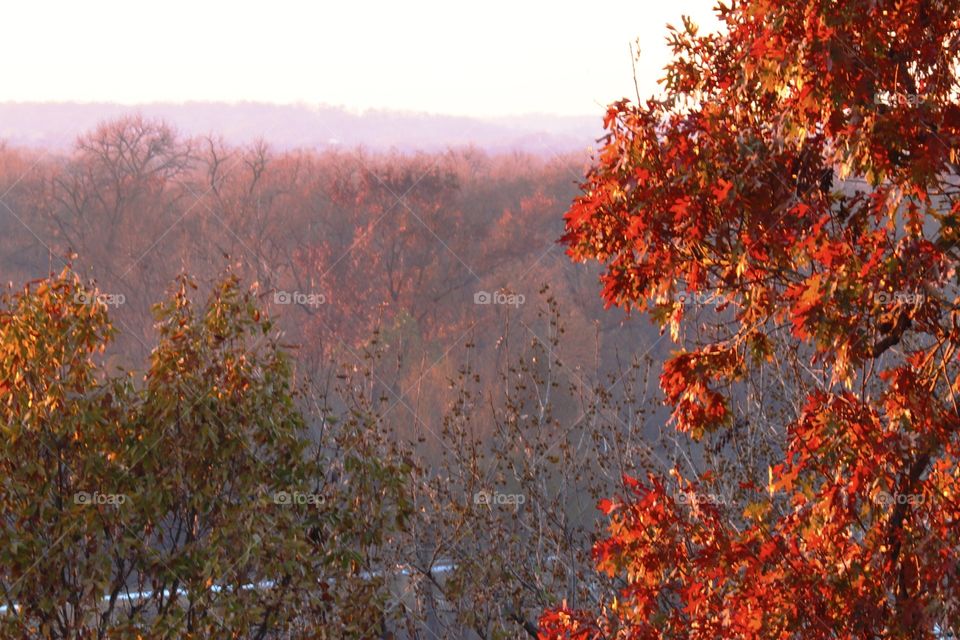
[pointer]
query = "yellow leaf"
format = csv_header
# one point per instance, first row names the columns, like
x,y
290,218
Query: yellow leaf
x,y
756,510
742,265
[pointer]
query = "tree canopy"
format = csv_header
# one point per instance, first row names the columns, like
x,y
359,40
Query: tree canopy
x,y
800,169
185,502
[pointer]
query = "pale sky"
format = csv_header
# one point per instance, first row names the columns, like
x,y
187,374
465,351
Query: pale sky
x,y
441,56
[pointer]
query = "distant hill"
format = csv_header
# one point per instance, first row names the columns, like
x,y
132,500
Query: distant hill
x,y
56,126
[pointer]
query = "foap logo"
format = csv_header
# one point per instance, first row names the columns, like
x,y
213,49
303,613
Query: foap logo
x,y
501,499
887,499
296,297
93,297
894,99
700,498
499,297
298,498
84,498
699,299
898,297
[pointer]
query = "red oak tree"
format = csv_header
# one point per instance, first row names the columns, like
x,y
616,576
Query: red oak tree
x,y
801,168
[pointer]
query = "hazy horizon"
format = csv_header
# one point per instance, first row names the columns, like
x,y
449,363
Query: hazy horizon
x,y
305,104
56,125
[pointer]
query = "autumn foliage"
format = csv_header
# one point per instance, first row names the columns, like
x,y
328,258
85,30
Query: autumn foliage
x,y
158,504
801,169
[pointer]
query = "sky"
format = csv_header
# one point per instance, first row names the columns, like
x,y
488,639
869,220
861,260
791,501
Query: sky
x,y
483,59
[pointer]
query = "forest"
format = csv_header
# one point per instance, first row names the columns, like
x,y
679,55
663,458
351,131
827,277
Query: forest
x,y
699,383
411,304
